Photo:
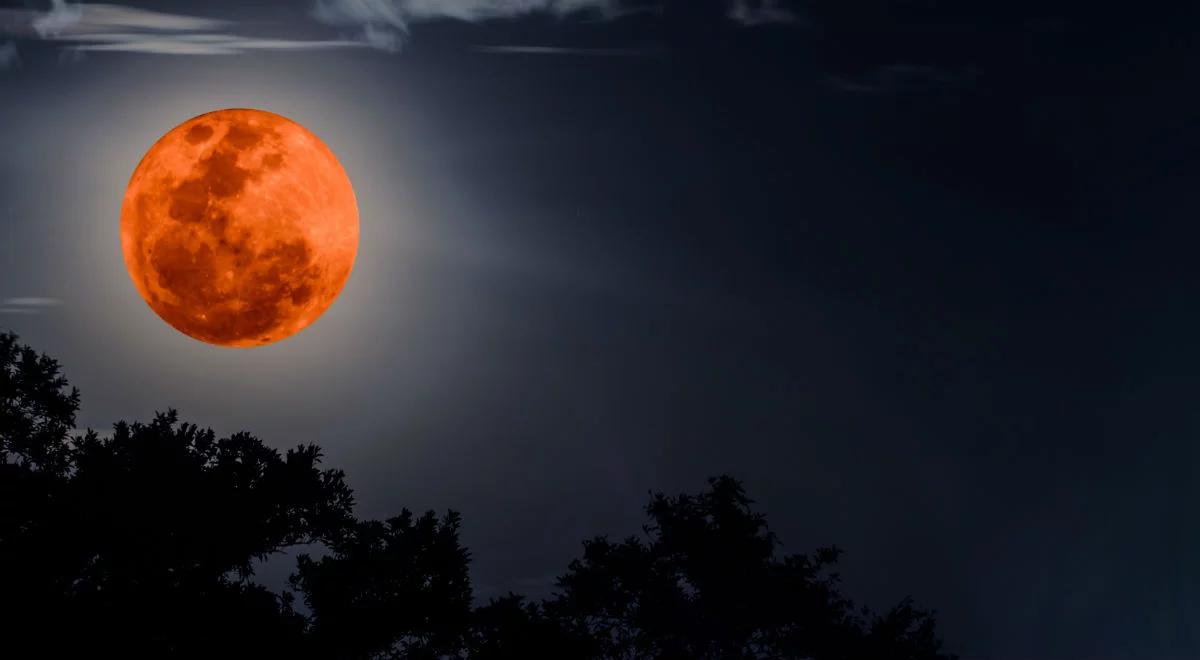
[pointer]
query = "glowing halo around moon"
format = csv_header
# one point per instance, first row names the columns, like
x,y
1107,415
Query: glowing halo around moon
x,y
239,227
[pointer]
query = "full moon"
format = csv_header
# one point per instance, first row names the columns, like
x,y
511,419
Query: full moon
x,y
239,227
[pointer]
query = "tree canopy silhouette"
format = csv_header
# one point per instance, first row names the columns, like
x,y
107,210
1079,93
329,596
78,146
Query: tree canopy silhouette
x,y
143,542
706,583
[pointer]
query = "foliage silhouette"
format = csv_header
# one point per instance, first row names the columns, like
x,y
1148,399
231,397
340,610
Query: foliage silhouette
x,y
707,584
398,588
143,544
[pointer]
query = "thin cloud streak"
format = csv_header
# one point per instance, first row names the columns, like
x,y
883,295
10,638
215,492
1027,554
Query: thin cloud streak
x,y
31,302
399,14
211,44
27,305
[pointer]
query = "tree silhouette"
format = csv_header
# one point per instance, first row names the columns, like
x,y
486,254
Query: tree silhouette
x,y
143,543
37,410
172,517
397,588
707,584
509,627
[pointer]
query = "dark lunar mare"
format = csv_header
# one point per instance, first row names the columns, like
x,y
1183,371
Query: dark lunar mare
x,y
188,267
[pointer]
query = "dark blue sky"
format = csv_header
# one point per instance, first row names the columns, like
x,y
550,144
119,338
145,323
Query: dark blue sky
x,y
922,274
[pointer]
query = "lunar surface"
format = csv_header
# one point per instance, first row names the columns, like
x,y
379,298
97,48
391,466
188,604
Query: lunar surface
x,y
239,227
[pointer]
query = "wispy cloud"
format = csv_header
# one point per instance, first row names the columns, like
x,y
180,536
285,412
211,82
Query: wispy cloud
x,y
384,23
27,305
212,44
400,14
104,27
761,12
33,302
378,24
68,21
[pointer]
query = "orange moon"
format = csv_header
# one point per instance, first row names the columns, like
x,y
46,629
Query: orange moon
x,y
239,227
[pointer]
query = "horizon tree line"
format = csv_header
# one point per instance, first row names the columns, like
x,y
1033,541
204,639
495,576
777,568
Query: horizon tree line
x,y
143,544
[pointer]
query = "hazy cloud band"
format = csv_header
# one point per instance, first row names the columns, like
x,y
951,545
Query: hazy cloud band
x,y
27,305
379,24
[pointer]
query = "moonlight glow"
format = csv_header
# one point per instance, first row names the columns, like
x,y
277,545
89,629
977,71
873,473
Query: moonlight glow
x,y
239,227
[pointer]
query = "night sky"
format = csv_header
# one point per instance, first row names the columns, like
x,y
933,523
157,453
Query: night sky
x,y
922,274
